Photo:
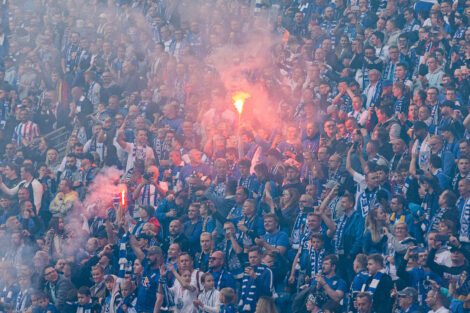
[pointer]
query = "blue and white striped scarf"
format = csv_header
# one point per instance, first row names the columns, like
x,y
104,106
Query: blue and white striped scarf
x,y
249,291
316,261
299,229
464,232
338,238
374,283
168,297
123,263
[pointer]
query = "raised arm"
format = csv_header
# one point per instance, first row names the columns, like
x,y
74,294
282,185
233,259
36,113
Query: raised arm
x,y
120,135
135,247
348,162
9,191
181,281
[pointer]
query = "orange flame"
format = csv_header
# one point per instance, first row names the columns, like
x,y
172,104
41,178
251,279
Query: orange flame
x,y
123,197
239,100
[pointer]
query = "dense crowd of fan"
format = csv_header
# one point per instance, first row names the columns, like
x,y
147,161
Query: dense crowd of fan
x,y
343,186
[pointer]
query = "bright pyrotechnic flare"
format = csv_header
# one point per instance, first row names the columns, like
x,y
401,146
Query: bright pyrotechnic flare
x,y
123,197
239,100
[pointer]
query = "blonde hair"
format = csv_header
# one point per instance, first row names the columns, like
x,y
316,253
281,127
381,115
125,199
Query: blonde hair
x,y
228,294
266,305
373,225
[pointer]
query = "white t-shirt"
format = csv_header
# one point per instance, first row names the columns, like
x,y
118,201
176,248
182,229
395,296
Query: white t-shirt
x,y
210,299
184,299
196,280
440,310
133,152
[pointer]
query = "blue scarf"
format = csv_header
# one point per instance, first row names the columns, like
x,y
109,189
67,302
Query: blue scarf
x,y
158,147
367,201
436,219
374,283
299,228
249,291
316,261
123,262
435,114
23,300
139,154
248,224
168,297
90,92
464,232
233,262
338,238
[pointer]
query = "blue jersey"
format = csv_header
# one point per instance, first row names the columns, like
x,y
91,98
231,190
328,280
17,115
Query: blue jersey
x,y
148,287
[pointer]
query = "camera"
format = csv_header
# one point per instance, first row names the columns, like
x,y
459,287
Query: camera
x,y
442,237
147,176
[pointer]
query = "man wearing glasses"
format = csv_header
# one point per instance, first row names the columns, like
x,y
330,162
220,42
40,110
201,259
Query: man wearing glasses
x,y
222,278
57,288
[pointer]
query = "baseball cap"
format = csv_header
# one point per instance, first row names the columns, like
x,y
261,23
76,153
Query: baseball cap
x,y
408,292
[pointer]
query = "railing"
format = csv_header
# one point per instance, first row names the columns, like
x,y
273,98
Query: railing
x,y
57,140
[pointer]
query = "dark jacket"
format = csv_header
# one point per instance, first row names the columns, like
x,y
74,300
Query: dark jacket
x,y
61,291
353,234
382,302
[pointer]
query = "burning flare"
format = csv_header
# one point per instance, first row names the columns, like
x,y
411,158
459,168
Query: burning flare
x,y
239,100
123,197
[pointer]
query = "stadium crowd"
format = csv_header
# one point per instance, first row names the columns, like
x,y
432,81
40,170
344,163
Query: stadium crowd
x,y
343,186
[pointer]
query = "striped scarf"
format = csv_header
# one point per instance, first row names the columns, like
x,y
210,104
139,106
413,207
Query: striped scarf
x,y
233,262
365,76
150,196
246,182
435,114
168,297
464,232
249,290
338,238
298,229
367,201
23,300
139,153
158,147
436,219
89,95
399,106
374,283
123,262
390,71
316,261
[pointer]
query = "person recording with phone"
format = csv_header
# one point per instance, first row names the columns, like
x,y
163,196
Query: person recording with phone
x,y
150,191
459,262
325,282
414,272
